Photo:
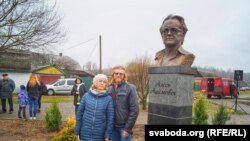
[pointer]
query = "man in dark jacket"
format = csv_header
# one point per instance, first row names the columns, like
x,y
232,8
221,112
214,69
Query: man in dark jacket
x,y
7,86
125,103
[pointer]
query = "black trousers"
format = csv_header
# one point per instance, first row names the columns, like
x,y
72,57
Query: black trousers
x,y
10,101
39,101
20,110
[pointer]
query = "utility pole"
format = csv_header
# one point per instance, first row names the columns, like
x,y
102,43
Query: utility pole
x,y
100,43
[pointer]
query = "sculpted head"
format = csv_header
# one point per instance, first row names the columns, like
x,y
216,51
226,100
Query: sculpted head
x,y
173,30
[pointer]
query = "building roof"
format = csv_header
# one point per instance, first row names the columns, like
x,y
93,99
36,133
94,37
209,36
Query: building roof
x,y
51,69
25,60
82,73
200,73
13,59
17,51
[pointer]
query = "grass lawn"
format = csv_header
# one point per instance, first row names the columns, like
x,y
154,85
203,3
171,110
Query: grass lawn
x,y
213,107
50,99
245,92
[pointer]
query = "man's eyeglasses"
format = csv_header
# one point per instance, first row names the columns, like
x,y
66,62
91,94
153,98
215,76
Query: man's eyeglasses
x,y
117,73
172,30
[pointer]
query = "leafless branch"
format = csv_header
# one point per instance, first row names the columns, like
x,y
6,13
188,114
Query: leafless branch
x,y
138,75
29,24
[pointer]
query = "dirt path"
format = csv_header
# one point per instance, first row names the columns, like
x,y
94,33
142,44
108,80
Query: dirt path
x,y
18,130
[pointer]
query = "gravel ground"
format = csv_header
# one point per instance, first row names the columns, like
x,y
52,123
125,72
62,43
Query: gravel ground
x,y
67,110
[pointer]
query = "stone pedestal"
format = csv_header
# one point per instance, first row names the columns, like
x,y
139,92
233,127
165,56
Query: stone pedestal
x,y
170,95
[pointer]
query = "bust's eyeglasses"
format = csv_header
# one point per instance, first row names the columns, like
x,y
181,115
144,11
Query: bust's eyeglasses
x,y
172,30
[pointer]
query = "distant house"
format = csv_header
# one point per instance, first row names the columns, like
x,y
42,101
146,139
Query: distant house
x,y
64,62
49,74
19,64
13,59
19,76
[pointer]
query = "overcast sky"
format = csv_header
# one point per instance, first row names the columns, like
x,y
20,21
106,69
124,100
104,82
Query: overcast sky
x,y
218,30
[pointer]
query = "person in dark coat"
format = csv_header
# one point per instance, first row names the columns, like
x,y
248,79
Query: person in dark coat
x,y
95,114
42,91
7,86
33,88
78,91
233,90
125,100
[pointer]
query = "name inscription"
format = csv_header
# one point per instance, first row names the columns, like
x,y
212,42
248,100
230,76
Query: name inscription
x,y
163,88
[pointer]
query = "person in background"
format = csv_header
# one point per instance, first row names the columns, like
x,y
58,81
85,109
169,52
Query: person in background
x,y
22,101
33,88
126,105
7,86
42,91
233,90
78,91
95,114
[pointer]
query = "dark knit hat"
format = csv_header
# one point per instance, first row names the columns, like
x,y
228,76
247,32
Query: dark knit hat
x,y
22,87
5,74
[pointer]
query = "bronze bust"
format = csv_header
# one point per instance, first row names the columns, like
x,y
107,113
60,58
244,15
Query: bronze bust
x,y
173,31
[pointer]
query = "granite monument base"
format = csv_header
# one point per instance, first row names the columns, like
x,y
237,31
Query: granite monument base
x,y
170,95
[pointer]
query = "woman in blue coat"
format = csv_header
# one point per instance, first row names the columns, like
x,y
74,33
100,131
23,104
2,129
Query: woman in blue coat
x,y
95,114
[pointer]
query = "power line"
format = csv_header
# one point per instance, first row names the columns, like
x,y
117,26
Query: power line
x,y
92,51
81,43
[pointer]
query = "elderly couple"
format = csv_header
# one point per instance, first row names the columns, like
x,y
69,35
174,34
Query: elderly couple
x,y
108,111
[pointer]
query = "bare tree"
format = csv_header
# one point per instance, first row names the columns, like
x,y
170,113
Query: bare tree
x,y
29,24
67,63
138,75
107,71
91,67
63,62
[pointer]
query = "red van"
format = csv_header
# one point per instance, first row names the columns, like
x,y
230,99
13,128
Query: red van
x,y
218,86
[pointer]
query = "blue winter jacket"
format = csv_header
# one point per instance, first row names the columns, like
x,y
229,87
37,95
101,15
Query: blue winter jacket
x,y
95,117
23,98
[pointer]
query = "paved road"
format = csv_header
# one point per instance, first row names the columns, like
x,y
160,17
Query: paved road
x,y
67,110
